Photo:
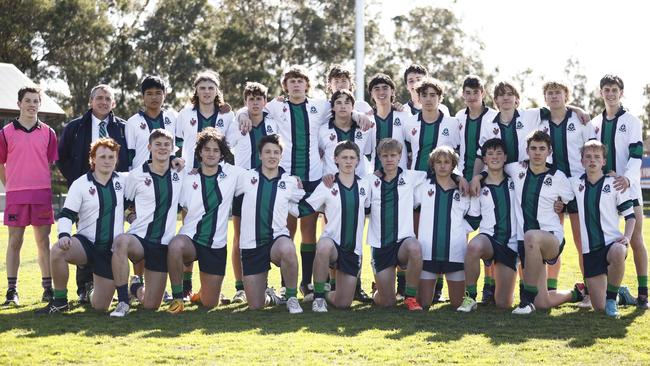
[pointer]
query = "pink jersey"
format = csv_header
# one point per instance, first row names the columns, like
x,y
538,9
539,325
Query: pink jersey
x,y
27,155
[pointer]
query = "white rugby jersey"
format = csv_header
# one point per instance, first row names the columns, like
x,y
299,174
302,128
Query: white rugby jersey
x,y
137,131
442,230
470,131
208,200
623,139
391,207
536,195
496,210
599,207
424,137
345,211
567,138
513,134
411,108
299,125
330,135
362,107
265,206
99,209
390,127
244,146
156,203
190,122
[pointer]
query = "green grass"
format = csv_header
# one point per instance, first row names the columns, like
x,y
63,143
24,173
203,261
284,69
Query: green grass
x,y
363,335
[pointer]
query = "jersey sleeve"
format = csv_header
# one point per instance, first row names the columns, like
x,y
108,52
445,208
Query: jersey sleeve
x,y
131,187
273,108
314,202
179,133
129,135
186,192
588,131
70,212
417,194
624,204
565,191
52,147
635,147
455,134
3,147
473,216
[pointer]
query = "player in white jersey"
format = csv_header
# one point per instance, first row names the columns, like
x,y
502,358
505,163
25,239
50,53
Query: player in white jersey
x,y
206,198
140,125
443,229
390,233
340,245
205,111
244,145
155,189
268,193
341,127
539,231
604,248
412,77
95,202
496,243
620,131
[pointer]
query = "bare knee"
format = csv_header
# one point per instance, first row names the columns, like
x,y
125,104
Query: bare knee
x,y
56,253
120,245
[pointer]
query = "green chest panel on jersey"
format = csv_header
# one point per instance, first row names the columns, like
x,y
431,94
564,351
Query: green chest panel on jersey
x,y
530,199
591,206
255,135
266,194
343,135
163,193
429,133
472,128
559,144
389,212
349,216
205,122
509,138
212,199
501,200
299,141
608,138
442,224
106,218
383,130
154,123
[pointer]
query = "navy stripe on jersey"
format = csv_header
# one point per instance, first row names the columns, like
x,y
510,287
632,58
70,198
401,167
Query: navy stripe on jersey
x,y
349,215
299,140
442,224
212,199
501,199
389,211
608,138
636,150
163,192
153,123
255,135
558,135
69,214
383,130
530,199
205,122
267,190
105,224
591,205
429,133
472,134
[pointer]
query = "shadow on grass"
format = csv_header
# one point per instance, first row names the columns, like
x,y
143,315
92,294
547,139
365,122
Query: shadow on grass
x,y
578,328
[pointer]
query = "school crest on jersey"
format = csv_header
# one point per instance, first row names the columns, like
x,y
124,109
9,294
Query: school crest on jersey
x,y
597,129
253,180
519,125
548,181
430,192
193,121
168,121
269,129
92,191
445,132
401,182
175,177
147,181
522,175
456,196
195,186
334,191
332,137
222,175
313,110
377,183
117,186
581,187
397,122
496,131
284,109
545,129
511,186
622,128
220,123
460,126
606,188
486,192
282,185
362,192
414,131
571,127
143,125
358,135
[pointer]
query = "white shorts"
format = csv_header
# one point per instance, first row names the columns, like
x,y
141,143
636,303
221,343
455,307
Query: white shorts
x,y
451,276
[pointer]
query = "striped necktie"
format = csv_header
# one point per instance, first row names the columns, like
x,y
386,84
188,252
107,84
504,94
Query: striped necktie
x,y
102,130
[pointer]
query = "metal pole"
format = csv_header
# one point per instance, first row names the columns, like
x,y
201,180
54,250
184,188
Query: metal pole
x,y
359,42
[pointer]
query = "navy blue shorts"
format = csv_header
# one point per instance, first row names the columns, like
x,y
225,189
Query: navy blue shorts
x,y
257,260
386,257
211,261
347,262
99,257
155,255
502,254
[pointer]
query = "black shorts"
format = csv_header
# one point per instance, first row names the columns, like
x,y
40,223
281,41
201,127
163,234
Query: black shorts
x,y
257,260
310,186
502,254
571,207
595,262
155,255
99,257
442,267
236,205
211,261
386,257
522,253
347,262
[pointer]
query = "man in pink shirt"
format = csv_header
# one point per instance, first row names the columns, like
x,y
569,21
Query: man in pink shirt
x,y
27,148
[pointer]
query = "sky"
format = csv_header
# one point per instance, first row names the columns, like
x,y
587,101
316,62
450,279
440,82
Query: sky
x,y
605,36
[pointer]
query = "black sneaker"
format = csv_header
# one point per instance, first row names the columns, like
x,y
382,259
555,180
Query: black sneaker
x,y
52,307
11,298
307,291
84,296
488,296
642,302
48,295
362,296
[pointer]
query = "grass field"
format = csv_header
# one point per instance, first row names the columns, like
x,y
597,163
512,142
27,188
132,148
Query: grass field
x,y
363,335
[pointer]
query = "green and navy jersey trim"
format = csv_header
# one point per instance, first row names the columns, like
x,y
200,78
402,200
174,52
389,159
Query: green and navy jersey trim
x,y
300,140
472,135
255,135
443,204
341,135
501,200
591,207
105,224
530,197
212,199
608,138
267,190
349,214
429,133
558,133
413,109
389,210
163,192
153,123
383,129
509,136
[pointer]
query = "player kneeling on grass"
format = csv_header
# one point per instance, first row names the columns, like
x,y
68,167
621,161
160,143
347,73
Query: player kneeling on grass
x,y
390,233
603,247
340,245
206,198
539,231
268,193
95,202
155,188
497,238
442,228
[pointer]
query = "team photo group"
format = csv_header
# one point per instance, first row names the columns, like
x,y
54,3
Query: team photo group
x,y
445,196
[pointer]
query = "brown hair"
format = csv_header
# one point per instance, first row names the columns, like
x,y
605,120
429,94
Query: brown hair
x,y
440,151
427,83
106,142
207,75
255,90
211,134
295,71
28,89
